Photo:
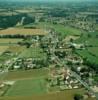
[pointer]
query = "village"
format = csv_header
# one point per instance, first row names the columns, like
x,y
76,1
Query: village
x,y
48,51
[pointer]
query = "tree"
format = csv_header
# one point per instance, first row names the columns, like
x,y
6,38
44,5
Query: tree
x,y
78,97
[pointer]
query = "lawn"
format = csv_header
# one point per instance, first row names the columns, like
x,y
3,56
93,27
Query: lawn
x,y
27,87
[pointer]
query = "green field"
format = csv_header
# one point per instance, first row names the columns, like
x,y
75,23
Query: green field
x,y
27,87
64,30
35,73
91,53
64,95
34,52
86,54
92,40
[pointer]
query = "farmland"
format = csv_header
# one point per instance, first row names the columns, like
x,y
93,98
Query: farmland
x,y
53,96
48,50
27,87
33,52
21,31
3,48
92,47
9,40
64,30
9,48
19,75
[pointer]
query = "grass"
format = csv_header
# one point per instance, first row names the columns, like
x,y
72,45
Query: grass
x,y
27,87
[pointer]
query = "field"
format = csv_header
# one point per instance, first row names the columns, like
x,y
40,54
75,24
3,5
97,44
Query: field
x,y
31,83
86,54
22,31
16,49
5,44
91,51
64,30
13,49
9,40
34,52
64,95
2,49
27,87
17,75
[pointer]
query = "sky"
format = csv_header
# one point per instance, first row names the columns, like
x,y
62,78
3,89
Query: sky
x,y
49,0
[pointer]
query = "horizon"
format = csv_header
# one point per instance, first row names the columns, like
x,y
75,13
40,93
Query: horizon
x,y
48,1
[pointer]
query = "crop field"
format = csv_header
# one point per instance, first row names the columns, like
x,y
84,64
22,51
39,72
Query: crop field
x,y
33,52
3,48
16,49
22,31
64,30
13,49
6,13
64,95
27,87
17,75
93,50
8,41
7,44
91,53
86,54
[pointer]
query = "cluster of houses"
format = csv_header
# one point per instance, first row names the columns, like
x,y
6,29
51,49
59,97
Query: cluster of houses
x,y
62,78
24,63
74,59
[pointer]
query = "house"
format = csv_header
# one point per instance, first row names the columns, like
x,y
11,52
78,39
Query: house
x,y
16,66
77,46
